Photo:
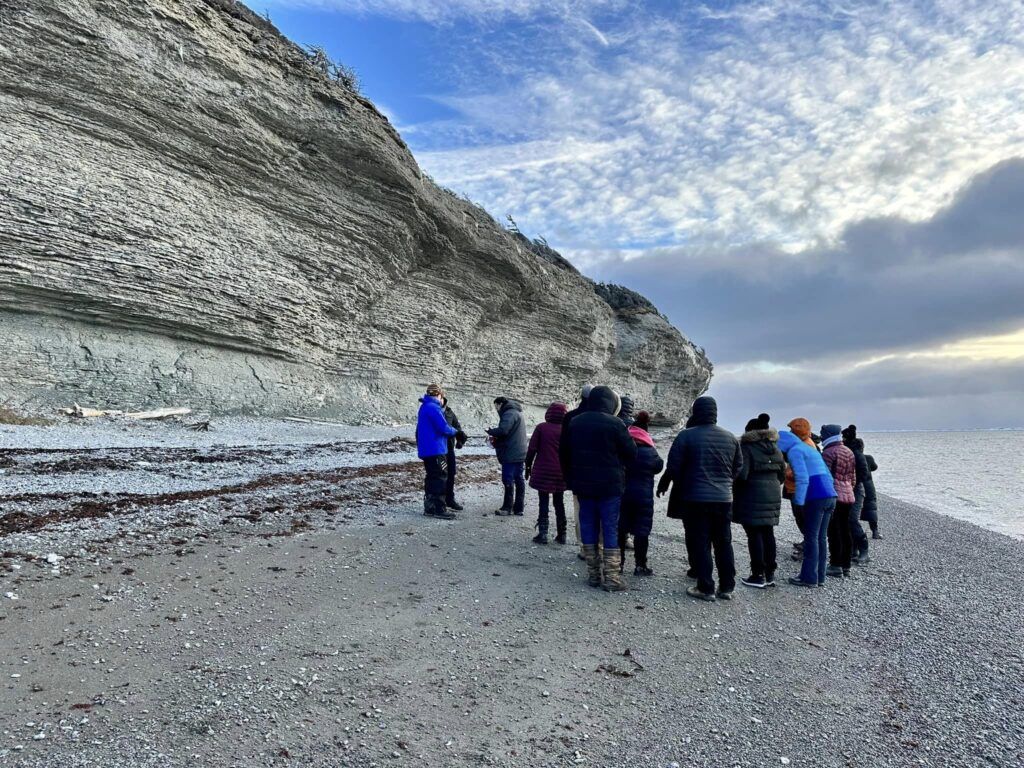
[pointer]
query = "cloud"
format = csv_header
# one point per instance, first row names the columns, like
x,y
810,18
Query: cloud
x,y
887,285
892,394
446,11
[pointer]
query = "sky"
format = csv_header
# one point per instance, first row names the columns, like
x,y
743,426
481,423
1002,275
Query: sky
x,y
826,196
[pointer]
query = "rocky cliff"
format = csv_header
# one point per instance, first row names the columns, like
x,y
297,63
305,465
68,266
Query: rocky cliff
x,y
193,212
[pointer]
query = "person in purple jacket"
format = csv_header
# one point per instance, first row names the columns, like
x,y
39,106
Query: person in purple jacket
x,y
815,495
544,472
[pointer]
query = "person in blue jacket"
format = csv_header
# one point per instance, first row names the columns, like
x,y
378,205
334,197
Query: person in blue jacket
x,y
432,433
815,495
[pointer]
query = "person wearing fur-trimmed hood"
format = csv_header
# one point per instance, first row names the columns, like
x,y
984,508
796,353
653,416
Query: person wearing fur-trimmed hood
x,y
757,498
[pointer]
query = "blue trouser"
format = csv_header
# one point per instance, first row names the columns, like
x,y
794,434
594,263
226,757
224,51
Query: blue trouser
x,y
817,514
512,475
597,516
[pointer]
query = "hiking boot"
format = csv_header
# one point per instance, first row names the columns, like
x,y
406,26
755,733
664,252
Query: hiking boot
x,y
518,514
797,555
613,581
453,504
642,570
503,512
560,538
724,595
707,597
440,514
876,535
834,570
540,538
757,582
593,565
862,559
796,581
769,579
506,504
846,572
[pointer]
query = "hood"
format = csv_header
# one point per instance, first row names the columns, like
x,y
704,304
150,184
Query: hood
x,y
604,400
787,440
800,427
514,405
757,435
705,411
555,413
641,436
831,433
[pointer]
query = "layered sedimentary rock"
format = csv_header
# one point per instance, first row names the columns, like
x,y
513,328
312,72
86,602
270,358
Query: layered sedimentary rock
x,y
192,212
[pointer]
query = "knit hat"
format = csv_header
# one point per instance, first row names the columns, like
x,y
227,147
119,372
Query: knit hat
x,y
831,433
643,420
434,390
800,427
760,423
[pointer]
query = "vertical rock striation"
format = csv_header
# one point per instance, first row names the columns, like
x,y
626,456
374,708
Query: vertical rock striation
x,y
191,212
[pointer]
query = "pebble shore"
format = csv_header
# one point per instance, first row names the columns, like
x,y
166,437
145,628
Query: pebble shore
x,y
341,628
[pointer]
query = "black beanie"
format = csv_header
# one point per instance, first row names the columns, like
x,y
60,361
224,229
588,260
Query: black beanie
x,y
850,434
760,423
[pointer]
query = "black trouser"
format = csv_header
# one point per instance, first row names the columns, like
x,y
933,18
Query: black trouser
x,y
859,538
840,537
542,513
798,516
449,491
434,483
709,527
640,546
761,544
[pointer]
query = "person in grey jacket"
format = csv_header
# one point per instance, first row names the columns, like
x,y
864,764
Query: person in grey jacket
x,y
702,464
510,445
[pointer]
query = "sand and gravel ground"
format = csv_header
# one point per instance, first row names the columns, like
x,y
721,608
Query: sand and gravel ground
x,y
288,606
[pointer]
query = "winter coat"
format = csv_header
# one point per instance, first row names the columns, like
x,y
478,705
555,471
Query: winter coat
x,y
460,438
813,480
432,431
801,428
510,434
542,453
869,512
703,461
563,445
843,466
757,493
598,448
638,499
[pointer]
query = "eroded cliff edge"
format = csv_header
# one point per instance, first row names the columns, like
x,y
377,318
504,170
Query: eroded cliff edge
x,y
192,213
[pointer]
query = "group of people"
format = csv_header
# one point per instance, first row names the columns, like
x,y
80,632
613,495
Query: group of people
x,y
603,454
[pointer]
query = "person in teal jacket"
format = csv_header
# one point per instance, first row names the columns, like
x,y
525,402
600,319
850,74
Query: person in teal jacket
x,y
815,494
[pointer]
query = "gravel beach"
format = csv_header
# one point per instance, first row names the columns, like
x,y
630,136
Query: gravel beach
x,y
286,604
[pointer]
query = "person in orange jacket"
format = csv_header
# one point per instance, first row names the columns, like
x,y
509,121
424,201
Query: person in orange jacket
x,y
800,427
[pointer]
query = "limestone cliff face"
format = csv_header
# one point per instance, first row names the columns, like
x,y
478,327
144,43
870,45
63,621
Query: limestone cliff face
x,y
192,213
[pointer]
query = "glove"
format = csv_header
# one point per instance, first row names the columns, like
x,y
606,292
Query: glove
x,y
461,438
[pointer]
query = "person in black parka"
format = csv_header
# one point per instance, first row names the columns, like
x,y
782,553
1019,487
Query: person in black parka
x,y
860,539
637,513
757,498
702,464
598,449
563,459
455,441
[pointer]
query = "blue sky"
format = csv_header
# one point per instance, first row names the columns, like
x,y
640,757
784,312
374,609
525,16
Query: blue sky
x,y
825,195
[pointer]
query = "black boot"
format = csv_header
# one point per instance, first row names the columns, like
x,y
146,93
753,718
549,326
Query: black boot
x,y
433,506
640,544
453,504
506,505
542,532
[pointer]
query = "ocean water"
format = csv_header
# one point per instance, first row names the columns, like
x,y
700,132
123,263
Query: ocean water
x,y
975,476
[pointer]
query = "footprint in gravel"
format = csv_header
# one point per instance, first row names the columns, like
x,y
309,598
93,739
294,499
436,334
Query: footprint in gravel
x,y
276,568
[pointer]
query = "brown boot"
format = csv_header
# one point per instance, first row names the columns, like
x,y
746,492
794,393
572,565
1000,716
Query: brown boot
x,y
613,580
593,565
